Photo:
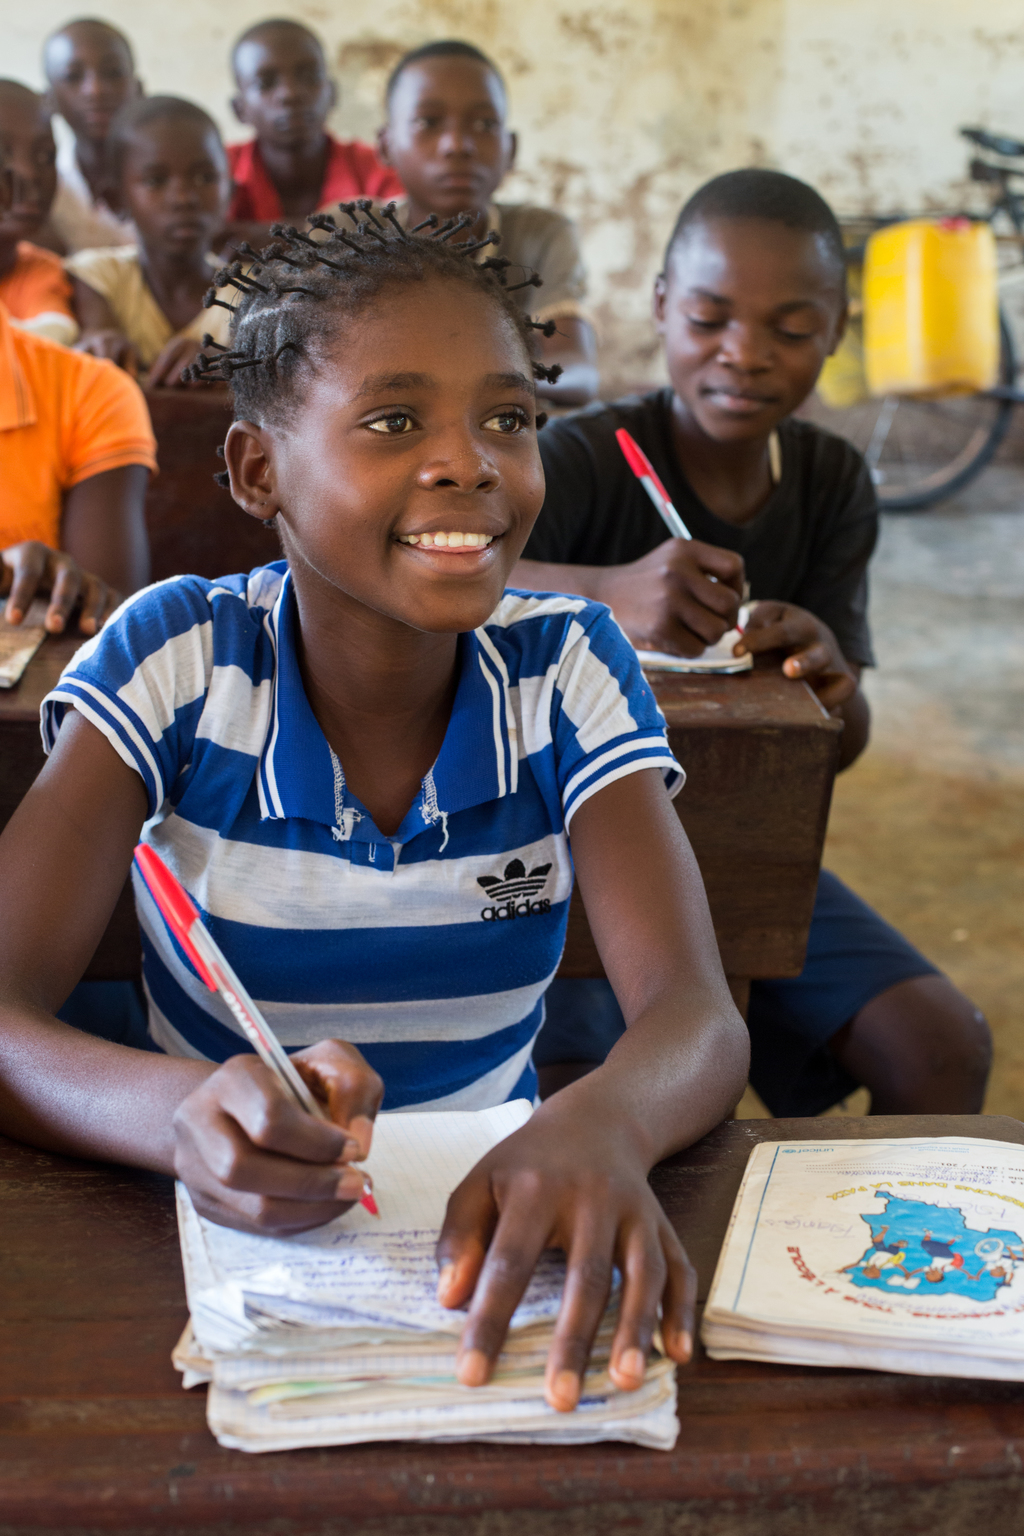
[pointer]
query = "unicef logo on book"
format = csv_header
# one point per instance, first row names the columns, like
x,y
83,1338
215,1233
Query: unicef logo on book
x,y
514,892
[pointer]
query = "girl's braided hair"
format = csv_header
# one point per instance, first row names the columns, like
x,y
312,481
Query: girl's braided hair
x,y
279,330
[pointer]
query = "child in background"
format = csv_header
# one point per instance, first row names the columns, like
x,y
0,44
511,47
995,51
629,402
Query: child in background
x,y
91,75
446,137
338,755
34,288
143,307
751,302
293,166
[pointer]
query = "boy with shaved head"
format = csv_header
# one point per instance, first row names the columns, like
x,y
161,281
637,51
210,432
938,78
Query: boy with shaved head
x,y
751,301
447,137
91,74
293,166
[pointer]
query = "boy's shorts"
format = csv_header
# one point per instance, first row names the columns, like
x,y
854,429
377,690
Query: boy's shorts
x,y
853,955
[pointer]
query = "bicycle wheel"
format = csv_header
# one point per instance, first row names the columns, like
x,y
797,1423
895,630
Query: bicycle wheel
x,y
920,451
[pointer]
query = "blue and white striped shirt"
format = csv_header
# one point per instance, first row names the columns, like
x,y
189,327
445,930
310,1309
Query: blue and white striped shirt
x,y
430,950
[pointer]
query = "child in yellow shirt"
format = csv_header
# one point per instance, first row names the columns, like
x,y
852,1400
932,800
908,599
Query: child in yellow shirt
x,y
142,306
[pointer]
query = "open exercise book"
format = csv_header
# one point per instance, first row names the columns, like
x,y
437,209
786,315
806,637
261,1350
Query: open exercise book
x,y
336,1336
900,1255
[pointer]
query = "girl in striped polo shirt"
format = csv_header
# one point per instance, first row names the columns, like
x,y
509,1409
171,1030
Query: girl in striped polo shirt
x,y
365,764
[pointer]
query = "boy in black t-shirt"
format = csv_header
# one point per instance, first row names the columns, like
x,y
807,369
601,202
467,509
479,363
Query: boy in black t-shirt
x,y
751,302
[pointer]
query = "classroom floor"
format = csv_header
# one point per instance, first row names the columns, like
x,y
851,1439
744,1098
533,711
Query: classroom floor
x,y
928,826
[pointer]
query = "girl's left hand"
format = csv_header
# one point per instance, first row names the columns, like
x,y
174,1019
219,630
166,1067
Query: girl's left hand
x,y
562,1183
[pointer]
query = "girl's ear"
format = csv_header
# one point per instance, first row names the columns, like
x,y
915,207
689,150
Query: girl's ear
x,y
248,456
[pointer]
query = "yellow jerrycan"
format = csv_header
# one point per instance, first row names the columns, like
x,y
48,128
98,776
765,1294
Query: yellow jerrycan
x,y
931,308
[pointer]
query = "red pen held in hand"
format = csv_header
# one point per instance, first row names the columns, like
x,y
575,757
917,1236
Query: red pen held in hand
x,y
645,472
184,921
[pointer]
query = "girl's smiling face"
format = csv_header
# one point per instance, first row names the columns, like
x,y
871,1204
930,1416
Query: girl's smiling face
x,y
405,477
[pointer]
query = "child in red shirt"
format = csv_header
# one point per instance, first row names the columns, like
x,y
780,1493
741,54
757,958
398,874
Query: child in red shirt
x,y
293,166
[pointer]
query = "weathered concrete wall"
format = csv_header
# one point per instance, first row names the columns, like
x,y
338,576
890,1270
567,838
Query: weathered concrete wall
x,y
623,108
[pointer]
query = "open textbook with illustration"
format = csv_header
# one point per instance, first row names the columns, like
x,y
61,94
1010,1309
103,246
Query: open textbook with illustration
x,y
903,1255
336,1335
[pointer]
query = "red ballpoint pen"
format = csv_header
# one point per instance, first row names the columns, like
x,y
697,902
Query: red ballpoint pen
x,y
180,915
645,472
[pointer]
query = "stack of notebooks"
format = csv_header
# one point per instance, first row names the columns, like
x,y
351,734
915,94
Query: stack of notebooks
x,y
336,1336
900,1255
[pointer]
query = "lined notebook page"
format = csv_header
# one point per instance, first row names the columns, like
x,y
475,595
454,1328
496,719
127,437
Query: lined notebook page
x,y
417,1160
358,1269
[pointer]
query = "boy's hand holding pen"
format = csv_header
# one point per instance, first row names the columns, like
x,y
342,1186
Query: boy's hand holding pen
x,y
683,595
266,1141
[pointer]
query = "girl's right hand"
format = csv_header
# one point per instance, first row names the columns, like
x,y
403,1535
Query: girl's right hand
x,y
252,1159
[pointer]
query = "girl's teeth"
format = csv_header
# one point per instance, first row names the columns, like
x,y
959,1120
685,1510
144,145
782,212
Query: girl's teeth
x,y
447,540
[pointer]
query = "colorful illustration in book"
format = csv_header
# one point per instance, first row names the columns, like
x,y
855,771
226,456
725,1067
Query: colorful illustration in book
x,y
920,1244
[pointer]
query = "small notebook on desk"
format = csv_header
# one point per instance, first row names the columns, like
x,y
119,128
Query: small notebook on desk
x,y
19,643
335,1336
895,1255
713,658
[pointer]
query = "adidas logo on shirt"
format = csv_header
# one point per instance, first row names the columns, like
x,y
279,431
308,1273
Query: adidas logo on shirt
x,y
513,891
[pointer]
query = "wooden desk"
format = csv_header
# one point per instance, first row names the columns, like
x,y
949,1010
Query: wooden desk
x,y
21,757
96,1435
760,756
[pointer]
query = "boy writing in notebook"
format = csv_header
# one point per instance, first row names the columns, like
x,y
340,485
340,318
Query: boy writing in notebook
x,y
292,166
447,137
750,303
342,753
90,72
34,288
142,306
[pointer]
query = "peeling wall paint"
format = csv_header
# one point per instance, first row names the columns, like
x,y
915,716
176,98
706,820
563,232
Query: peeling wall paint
x,y
623,108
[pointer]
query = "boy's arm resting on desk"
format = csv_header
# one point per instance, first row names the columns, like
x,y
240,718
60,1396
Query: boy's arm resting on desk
x,y
575,1176
665,601
250,1157
104,526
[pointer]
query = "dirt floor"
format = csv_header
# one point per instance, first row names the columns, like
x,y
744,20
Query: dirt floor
x,y
929,825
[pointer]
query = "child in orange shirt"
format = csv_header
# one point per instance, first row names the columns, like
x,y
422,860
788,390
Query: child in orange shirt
x,y
142,306
293,166
33,286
